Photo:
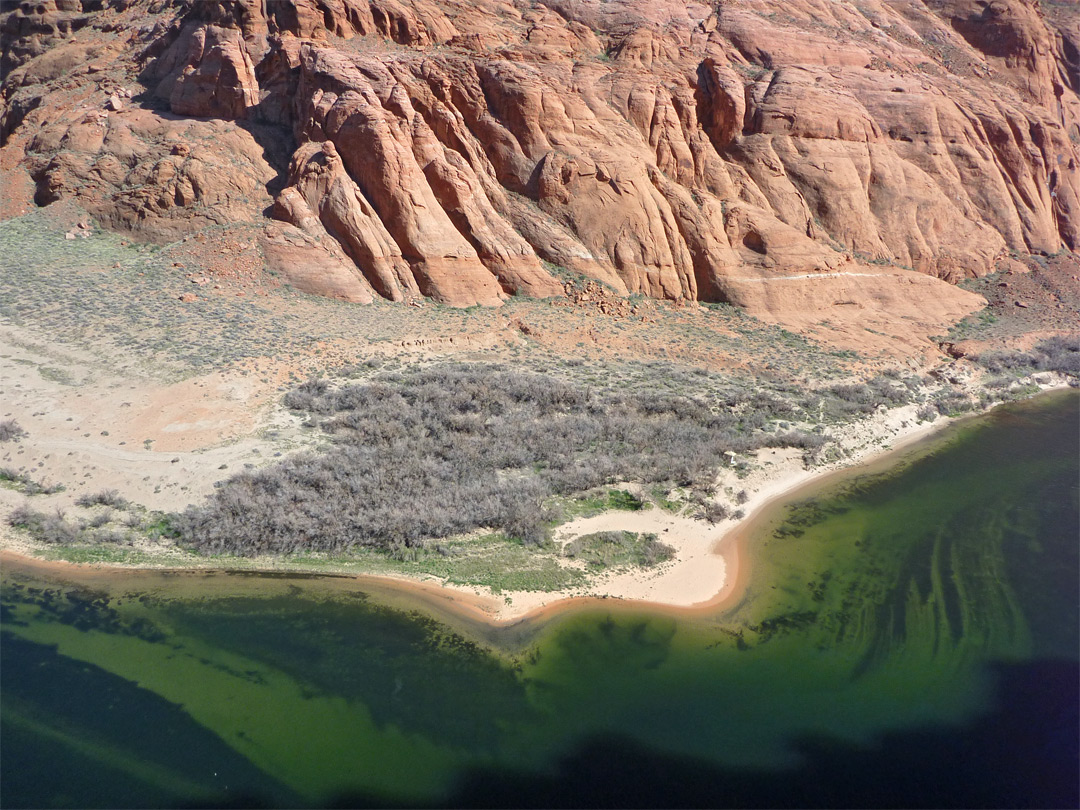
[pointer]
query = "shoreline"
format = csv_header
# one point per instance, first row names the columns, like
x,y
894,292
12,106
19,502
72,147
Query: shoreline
x,y
710,571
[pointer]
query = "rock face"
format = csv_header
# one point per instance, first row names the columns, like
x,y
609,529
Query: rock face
x,y
771,154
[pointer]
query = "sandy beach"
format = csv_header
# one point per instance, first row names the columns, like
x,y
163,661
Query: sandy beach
x,y
703,575
165,445
708,570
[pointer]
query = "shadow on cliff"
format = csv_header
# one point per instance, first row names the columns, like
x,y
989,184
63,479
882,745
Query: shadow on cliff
x,y
276,140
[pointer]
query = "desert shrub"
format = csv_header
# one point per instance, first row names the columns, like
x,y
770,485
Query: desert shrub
x,y
848,399
10,431
858,393
106,497
998,383
654,552
113,537
101,519
796,438
953,402
1059,353
998,362
24,517
32,487
434,452
770,405
47,528
715,512
27,485
927,413
305,395
888,391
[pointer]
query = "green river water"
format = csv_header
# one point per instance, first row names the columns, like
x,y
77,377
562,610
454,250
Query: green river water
x,y
908,637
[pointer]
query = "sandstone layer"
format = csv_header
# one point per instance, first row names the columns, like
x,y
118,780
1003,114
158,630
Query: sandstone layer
x,y
805,159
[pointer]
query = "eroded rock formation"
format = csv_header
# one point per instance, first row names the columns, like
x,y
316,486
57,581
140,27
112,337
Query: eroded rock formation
x,y
774,155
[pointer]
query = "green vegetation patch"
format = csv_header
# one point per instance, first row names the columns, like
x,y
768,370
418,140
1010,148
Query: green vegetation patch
x,y
23,483
491,561
597,503
660,496
104,553
619,549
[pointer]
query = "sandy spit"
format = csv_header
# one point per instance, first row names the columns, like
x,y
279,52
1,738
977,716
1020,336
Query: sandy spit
x,y
164,446
703,576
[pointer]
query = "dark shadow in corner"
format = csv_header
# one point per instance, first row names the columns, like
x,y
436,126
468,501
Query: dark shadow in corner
x,y
1025,755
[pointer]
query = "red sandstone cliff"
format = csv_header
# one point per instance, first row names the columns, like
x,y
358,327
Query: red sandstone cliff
x,y
787,156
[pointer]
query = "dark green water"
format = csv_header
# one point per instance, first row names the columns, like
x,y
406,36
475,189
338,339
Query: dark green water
x,y
907,638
